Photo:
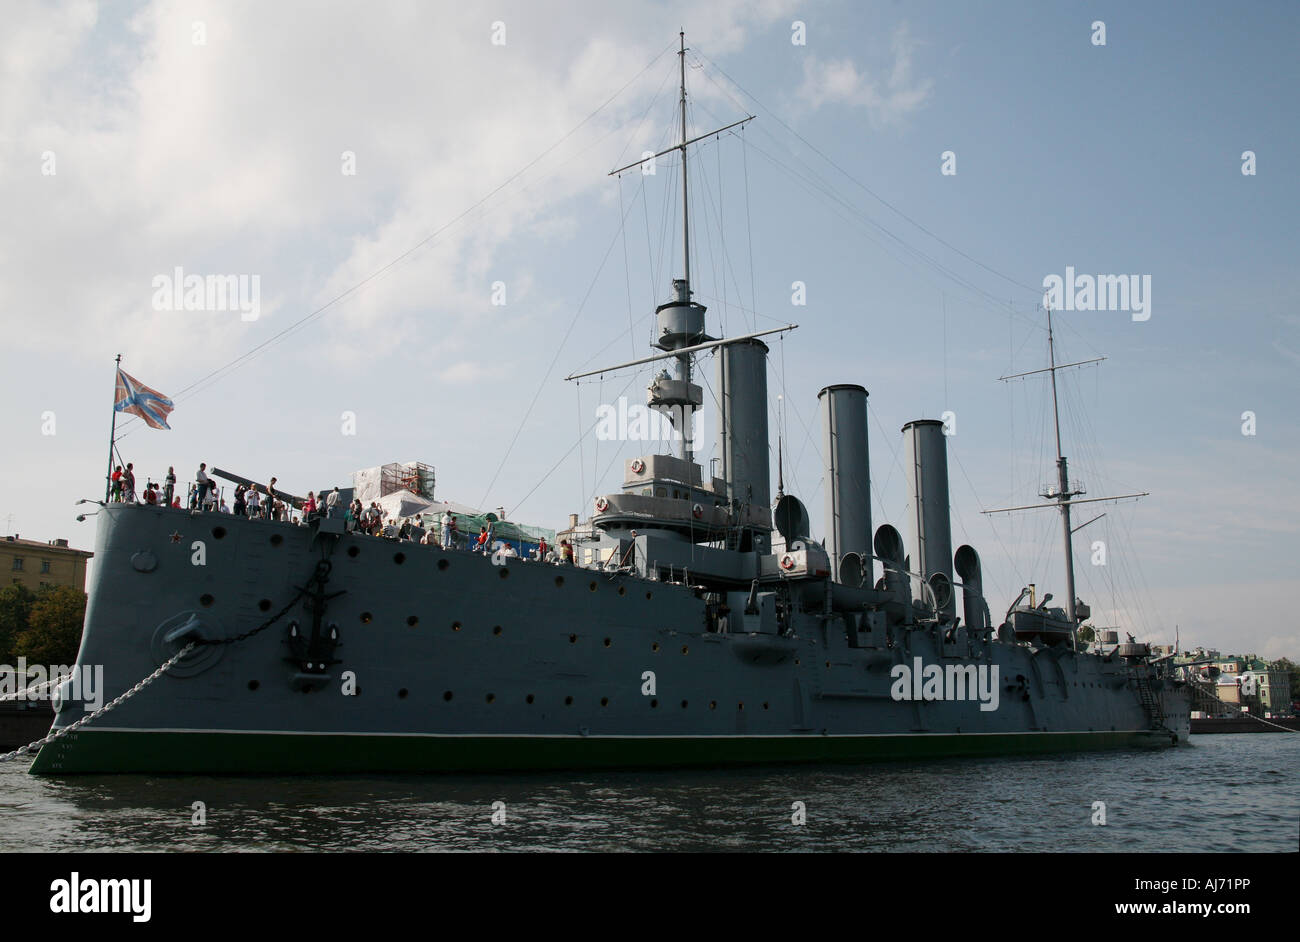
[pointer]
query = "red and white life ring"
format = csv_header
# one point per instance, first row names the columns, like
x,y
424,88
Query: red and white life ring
x,y
787,562
602,505
697,512
637,465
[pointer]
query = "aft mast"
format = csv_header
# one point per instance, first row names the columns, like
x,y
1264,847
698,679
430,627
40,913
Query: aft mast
x,y
1064,493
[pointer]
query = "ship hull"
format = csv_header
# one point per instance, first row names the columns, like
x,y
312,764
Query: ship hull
x,y
216,752
447,662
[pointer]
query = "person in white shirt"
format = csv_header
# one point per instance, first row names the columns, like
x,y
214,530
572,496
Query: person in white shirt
x,y
204,484
253,501
331,502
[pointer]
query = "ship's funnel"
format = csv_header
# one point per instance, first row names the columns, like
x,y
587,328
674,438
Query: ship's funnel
x,y
742,423
974,608
848,478
929,533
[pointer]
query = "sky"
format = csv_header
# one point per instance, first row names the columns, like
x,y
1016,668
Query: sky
x,y
417,198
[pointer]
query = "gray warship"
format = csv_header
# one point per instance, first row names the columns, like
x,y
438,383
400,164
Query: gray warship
x,y
699,623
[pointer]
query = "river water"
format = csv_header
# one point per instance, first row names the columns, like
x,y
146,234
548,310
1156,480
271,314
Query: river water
x,y
1223,792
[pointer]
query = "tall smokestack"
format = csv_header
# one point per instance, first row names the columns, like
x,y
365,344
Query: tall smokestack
x,y
848,477
929,532
742,425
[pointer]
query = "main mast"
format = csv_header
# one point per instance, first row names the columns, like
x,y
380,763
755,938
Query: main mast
x,y
686,408
680,320
686,206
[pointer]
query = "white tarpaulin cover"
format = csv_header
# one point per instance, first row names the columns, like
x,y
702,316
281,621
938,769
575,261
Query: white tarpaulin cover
x,y
402,504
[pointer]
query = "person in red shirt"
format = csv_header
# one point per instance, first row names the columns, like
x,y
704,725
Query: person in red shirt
x,y
117,483
542,549
480,545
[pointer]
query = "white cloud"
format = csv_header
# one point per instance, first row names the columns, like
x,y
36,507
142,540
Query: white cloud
x,y
839,81
225,158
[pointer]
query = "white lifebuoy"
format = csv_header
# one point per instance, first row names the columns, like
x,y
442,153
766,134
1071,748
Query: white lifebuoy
x,y
637,465
697,511
787,562
602,505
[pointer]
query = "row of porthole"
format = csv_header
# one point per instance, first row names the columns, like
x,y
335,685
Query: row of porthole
x,y
219,533
206,600
568,701
504,572
443,564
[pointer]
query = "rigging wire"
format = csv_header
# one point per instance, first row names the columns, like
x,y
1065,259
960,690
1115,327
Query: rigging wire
x,y
554,359
1037,292
244,358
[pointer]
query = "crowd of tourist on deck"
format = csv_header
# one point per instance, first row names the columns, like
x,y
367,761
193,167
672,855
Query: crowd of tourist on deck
x,y
270,504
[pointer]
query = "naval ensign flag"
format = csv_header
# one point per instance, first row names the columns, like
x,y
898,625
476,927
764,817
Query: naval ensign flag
x,y
135,398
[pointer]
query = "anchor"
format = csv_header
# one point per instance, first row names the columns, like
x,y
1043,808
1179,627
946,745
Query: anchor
x,y
313,653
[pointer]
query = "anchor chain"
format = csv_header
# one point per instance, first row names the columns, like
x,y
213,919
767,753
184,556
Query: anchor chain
x,y
116,702
321,574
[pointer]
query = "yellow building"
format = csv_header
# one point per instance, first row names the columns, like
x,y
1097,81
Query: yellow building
x,y
35,564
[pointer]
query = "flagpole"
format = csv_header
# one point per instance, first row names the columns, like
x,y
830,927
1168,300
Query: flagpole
x,y
112,433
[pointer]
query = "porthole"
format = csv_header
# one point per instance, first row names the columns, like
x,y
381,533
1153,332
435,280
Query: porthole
x,y
412,621
654,704
607,642
253,685
647,596
559,581
353,551
218,533
683,704
764,704
740,706
366,618
622,590
206,600
276,539
455,626
592,586
713,704
503,572
443,564
604,701
399,558
401,694
496,629
528,699
685,649
573,639
491,698
654,646
446,695
264,605
568,701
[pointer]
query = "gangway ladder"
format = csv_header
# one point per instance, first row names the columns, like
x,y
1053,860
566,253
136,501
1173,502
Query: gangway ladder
x,y
1150,703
